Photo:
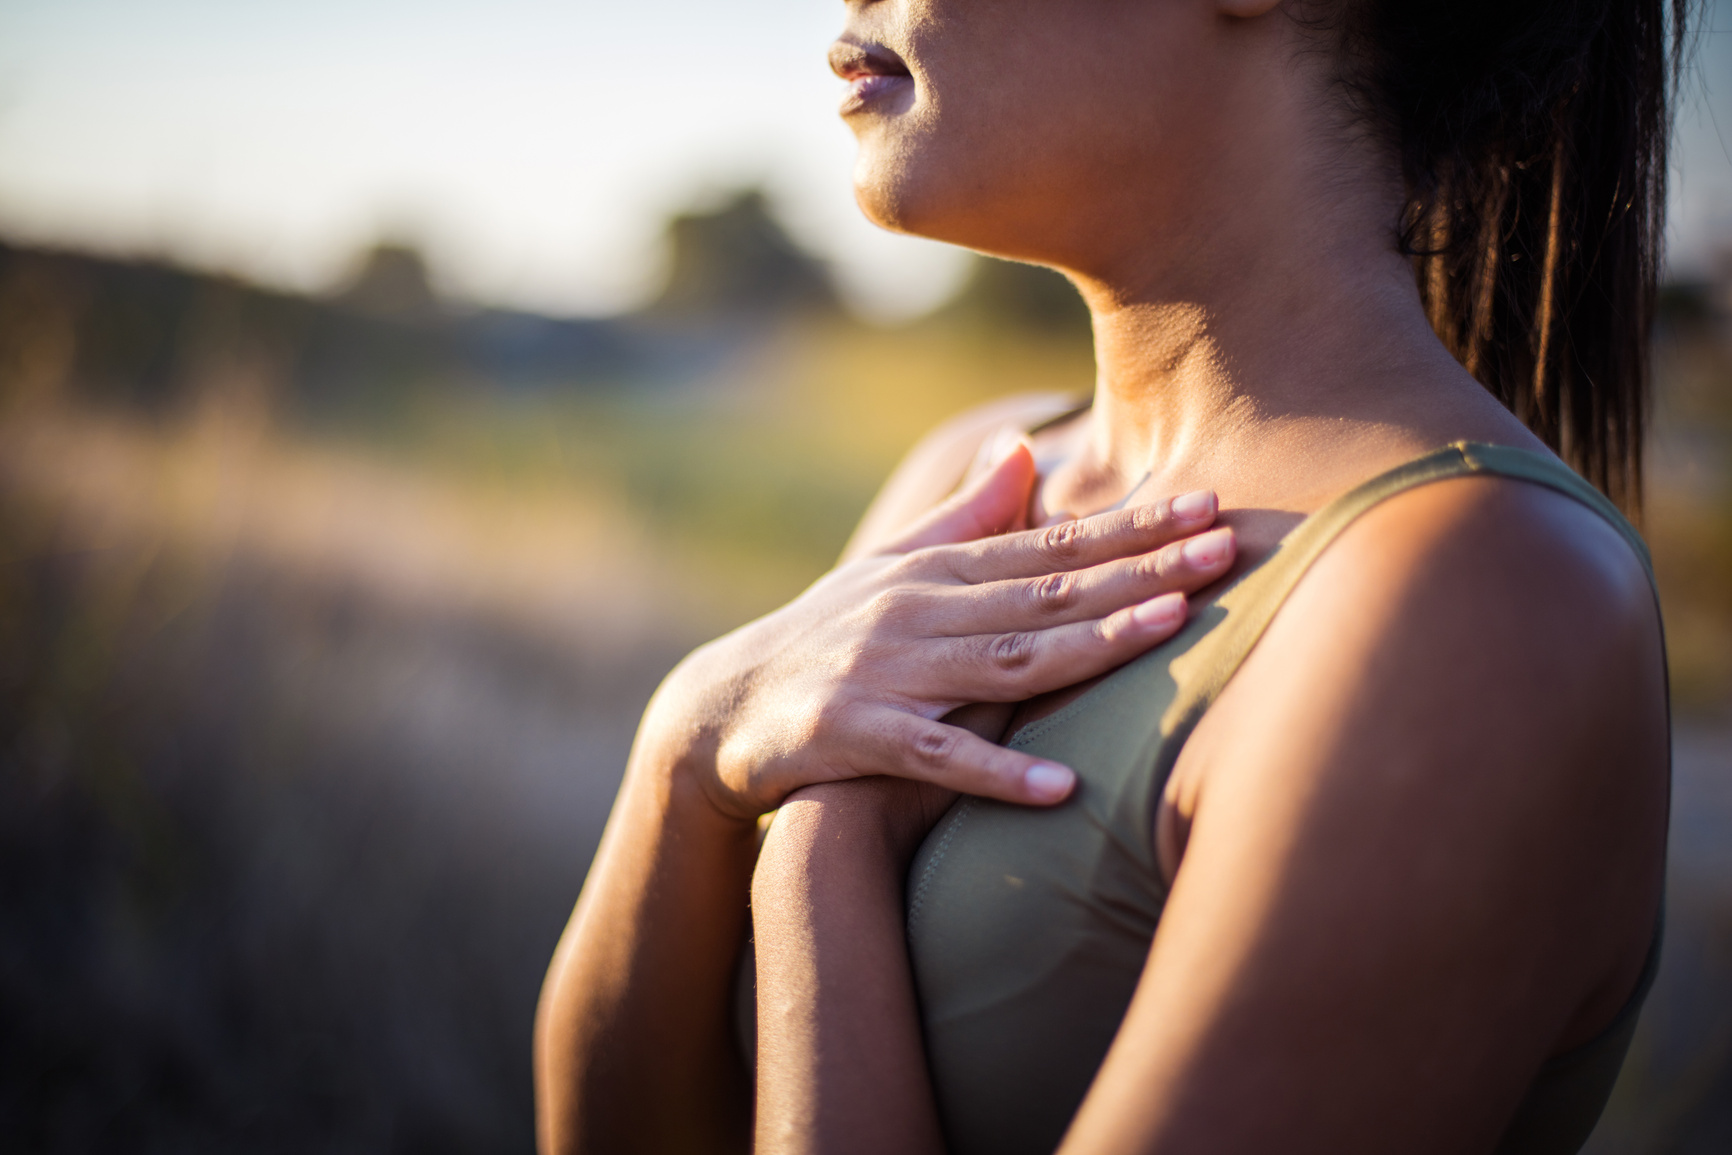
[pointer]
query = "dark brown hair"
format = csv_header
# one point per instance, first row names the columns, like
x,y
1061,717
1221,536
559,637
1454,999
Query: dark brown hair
x,y
1532,137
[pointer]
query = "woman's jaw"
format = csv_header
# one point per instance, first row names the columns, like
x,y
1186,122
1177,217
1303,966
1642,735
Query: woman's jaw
x,y
1085,134
1018,127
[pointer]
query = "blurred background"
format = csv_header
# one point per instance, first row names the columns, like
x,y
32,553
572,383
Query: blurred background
x,y
389,395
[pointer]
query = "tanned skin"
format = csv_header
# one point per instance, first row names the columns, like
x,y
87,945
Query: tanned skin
x,y
1415,848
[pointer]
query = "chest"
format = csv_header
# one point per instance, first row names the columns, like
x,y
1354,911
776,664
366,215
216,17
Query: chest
x,y
1028,929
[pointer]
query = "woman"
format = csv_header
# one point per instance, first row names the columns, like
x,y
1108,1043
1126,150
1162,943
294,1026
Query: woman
x,y
1360,849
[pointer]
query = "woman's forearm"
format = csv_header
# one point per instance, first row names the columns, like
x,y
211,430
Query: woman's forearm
x,y
634,1048
841,1065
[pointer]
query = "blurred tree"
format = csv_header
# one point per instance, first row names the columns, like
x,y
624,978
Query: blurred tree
x,y
736,261
391,280
1011,295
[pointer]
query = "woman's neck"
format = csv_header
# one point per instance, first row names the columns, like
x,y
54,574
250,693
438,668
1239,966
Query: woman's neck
x,y
1279,367
1256,329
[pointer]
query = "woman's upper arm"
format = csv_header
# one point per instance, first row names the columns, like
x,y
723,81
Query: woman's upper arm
x,y
938,463
1425,848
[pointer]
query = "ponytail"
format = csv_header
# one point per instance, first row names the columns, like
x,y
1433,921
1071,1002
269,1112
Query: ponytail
x,y
1532,136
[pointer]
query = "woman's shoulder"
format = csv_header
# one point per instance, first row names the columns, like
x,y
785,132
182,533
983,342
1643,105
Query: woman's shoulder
x,y
1480,613
1470,680
1515,564
1506,593
930,471
1489,545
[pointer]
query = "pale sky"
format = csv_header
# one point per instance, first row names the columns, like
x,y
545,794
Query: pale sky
x,y
533,147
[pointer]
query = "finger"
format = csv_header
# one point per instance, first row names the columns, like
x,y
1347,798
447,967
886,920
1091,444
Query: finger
x,y
1087,541
992,503
1009,667
906,745
1081,595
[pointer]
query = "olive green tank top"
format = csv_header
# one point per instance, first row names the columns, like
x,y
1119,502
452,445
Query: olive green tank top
x,y
1029,928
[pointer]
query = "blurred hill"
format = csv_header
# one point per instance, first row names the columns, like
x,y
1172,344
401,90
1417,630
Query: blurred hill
x,y
152,336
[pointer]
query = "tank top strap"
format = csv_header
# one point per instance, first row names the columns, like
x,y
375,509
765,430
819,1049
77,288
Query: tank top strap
x,y
1250,605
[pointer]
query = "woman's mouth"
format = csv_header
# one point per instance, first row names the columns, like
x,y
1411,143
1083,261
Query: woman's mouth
x,y
872,71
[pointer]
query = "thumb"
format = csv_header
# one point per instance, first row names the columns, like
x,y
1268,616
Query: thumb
x,y
993,503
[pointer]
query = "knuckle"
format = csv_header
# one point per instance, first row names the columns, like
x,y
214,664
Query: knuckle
x,y
1012,653
918,563
891,605
1062,543
1053,593
933,563
1149,569
1147,518
827,720
936,746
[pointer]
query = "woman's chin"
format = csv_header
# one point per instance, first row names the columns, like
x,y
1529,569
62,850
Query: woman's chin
x,y
897,198
882,198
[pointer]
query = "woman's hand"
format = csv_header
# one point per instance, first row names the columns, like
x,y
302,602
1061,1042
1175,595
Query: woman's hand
x,y
851,678
634,1038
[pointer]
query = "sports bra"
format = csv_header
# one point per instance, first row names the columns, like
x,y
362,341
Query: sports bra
x,y
1029,928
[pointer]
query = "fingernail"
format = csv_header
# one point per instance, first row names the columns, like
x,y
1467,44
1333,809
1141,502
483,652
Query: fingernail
x,y
1047,782
1194,506
1161,611
1209,548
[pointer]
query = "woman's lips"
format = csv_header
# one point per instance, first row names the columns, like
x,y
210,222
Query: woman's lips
x,y
863,90
872,71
